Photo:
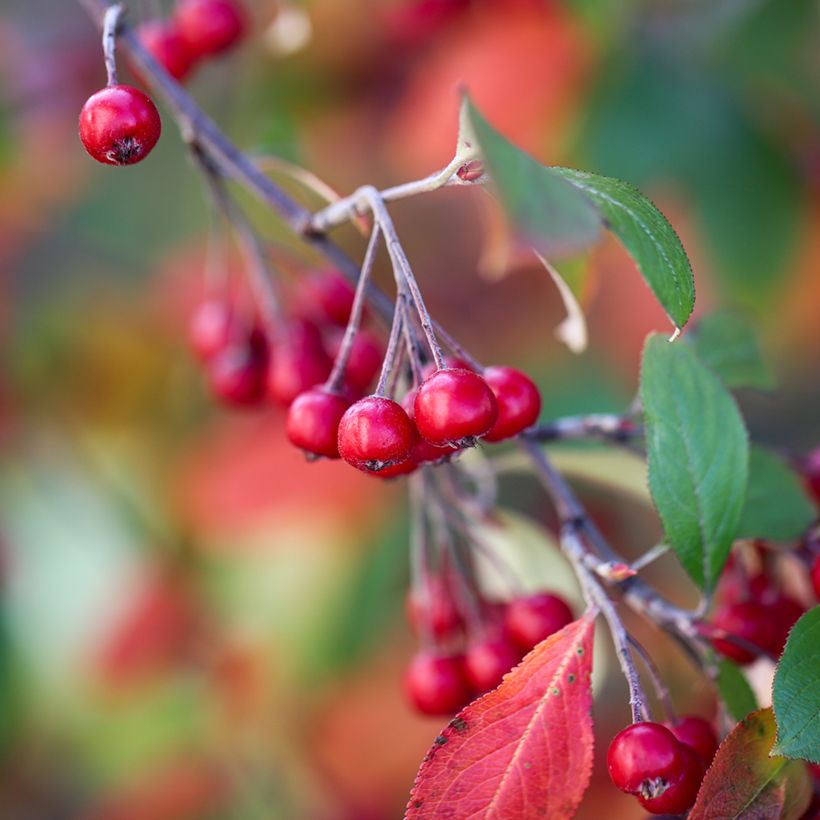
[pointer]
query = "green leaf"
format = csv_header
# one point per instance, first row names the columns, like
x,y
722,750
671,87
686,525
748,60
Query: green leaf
x,y
552,214
777,506
738,696
796,696
646,233
698,455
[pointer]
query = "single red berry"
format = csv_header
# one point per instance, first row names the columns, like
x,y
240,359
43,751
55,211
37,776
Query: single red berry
x,y
375,433
423,451
326,297
167,46
364,361
431,609
297,364
747,620
519,402
811,473
527,621
313,421
679,794
237,373
435,684
784,613
119,125
454,407
210,27
698,733
644,757
486,663
815,576
211,328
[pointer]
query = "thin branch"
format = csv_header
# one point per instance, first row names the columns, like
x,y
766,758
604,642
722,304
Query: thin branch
x,y
111,21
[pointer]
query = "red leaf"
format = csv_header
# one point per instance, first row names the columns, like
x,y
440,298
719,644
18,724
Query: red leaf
x,y
744,781
522,750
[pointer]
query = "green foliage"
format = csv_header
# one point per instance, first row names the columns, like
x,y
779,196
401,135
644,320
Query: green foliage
x,y
796,696
646,233
738,696
726,342
698,456
776,506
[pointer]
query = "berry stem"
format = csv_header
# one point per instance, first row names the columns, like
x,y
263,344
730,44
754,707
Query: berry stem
x,y
389,362
111,22
419,556
661,690
336,377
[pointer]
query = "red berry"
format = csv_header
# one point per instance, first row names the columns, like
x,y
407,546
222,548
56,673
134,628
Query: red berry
x,y
527,621
644,757
747,620
210,26
167,46
326,296
364,362
375,433
313,421
431,609
237,373
811,473
454,407
519,402
815,576
211,328
298,363
679,794
784,613
119,125
423,451
698,733
435,684
486,663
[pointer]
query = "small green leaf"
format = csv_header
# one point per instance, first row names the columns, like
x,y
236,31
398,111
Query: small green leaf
x,y
738,696
796,696
646,233
726,342
551,214
777,506
698,455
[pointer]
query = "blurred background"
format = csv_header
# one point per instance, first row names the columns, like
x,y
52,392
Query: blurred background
x,y
195,622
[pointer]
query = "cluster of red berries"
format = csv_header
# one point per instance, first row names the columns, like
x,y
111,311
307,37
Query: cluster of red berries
x,y
443,680
662,765
120,125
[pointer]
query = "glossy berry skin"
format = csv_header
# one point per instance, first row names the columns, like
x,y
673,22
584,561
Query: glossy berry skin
x,y
747,620
119,125
423,451
454,406
297,364
237,373
211,328
364,361
313,421
375,433
698,733
815,576
210,27
680,794
167,46
431,610
644,756
527,621
518,399
486,663
435,684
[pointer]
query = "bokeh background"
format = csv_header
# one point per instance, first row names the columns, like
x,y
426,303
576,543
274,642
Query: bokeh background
x,y
195,622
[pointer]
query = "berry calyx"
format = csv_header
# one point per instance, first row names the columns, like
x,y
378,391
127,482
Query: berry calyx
x,y
698,733
455,407
431,610
167,46
435,684
486,663
210,328
119,125
210,27
644,758
313,421
749,621
680,794
528,621
518,399
237,373
375,433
